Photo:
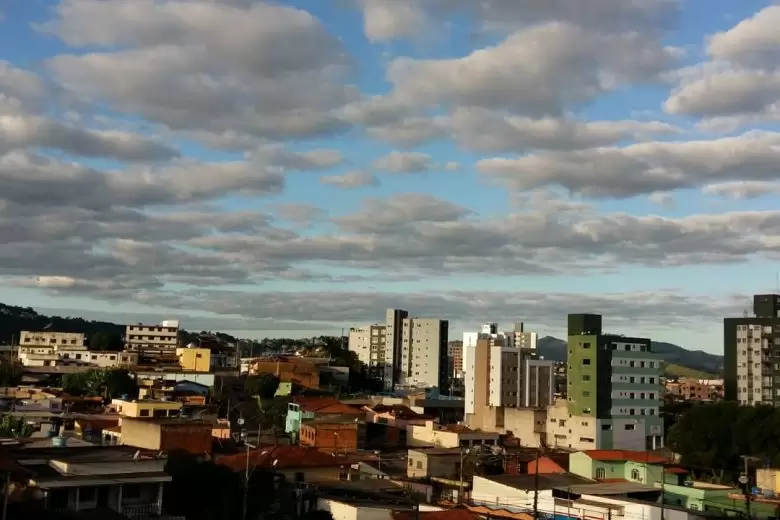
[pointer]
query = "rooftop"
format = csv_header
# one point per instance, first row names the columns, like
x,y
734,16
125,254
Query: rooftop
x,y
281,457
625,456
437,451
608,488
449,514
545,481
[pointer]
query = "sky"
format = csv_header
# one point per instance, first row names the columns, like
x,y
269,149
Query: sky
x,y
291,168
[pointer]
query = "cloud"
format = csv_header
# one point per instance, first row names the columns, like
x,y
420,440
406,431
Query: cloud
x,y
742,190
351,180
643,168
20,130
752,41
539,72
174,63
385,20
664,199
404,162
628,312
320,159
300,213
20,84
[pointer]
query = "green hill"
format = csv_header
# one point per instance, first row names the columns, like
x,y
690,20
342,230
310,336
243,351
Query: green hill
x,y
673,369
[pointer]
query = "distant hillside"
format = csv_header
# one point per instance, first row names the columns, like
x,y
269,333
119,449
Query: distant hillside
x,y
13,320
555,349
673,369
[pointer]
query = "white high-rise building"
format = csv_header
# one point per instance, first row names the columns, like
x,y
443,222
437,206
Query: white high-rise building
x,y
423,360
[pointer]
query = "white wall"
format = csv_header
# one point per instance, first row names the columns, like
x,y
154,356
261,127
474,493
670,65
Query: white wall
x,y
469,369
343,511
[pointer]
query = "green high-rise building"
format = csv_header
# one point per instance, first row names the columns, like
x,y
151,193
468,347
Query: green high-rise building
x,y
617,381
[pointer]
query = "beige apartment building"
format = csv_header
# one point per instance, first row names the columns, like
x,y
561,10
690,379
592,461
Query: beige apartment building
x,y
164,336
370,345
72,340
497,376
423,357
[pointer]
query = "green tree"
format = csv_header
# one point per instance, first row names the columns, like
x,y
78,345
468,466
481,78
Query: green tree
x,y
15,427
262,385
10,375
106,341
108,383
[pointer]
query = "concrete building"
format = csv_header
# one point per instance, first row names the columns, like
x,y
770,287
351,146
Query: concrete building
x,y
194,359
333,434
688,389
72,340
436,435
615,386
370,345
168,434
501,376
394,319
751,344
423,361
455,356
164,336
146,408
66,355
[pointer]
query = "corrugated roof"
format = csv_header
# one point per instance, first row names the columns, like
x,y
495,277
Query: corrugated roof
x,y
625,455
281,457
545,481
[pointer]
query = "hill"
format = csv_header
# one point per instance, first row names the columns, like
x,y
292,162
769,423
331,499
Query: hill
x,y
13,320
675,370
554,349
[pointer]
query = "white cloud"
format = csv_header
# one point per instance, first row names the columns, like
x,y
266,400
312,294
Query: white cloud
x,y
385,20
404,162
753,40
742,190
351,180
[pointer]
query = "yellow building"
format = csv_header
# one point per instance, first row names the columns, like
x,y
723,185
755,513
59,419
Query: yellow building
x,y
194,359
147,408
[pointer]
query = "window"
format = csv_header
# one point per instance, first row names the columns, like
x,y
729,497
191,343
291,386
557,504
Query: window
x,y
606,427
419,464
586,377
585,394
601,473
630,427
586,361
586,345
635,474
143,413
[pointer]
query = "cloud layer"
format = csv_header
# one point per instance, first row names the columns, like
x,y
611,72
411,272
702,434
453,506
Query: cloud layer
x,y
182,152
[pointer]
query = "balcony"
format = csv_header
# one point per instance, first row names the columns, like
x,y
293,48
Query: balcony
x,y
141,511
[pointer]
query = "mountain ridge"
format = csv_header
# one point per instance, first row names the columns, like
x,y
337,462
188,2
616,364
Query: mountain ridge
x,y
554,349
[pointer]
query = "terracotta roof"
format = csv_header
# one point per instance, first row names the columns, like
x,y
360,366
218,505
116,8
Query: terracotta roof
x,y
285,457
448,514
329,405
676,470
401,411
625,455
611,480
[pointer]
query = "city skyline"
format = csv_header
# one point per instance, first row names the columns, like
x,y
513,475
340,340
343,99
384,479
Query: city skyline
x,y
319,162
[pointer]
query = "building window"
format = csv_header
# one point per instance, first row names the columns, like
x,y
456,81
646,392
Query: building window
x,y
635,474
630,427
586,361
143,413
585,394
586,377
419,464
601,473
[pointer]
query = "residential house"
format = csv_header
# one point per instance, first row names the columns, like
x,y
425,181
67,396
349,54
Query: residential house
x,y
288,369
448,436
166,434
375,500
397,415
333,434
291,461
146,408
717,499
553,463
123,479
434,462
634,466
570,496
306,408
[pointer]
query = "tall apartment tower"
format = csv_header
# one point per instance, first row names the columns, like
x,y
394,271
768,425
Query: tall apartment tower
x,y
394,321
615,380
751,347
423,360
371,346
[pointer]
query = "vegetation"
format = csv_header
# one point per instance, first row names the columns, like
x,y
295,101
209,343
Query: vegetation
x,y
717,435
106,341
262,385
675,370
13,320
9,374
15,427
108,383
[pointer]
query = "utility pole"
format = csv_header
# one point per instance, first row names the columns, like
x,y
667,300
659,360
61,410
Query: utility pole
x,y
745,480
536,484
460,480
7,490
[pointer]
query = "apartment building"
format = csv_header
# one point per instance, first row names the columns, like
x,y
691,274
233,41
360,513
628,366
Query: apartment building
x,y
455,356
614,385
752,354
66,355
371,346
72,340
498,376
423,359
164,336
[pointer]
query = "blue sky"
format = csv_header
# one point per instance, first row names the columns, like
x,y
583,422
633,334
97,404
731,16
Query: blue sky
x,y
293,167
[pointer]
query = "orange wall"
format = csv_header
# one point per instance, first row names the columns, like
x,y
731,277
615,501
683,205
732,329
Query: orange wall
x,y
325,438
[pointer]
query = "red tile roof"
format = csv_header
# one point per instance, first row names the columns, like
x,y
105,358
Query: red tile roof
x,y
625,456
448,514
319,404
280,457
677,471
611,480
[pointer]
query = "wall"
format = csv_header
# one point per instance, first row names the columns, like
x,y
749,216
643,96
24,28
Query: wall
x,y
546,466
768,479
194,359
72,339
430,435
421,464
146,408
340,438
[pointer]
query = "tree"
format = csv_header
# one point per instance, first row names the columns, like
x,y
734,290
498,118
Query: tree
x,y
108,383
15,427
262,385
9,374
106,341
